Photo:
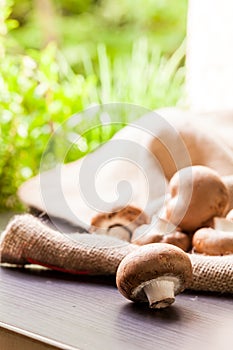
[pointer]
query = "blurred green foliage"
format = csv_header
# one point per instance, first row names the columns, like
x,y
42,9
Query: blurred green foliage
x,y
79,25
116,58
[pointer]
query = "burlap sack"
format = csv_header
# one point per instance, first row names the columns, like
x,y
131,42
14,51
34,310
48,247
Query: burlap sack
x,y
27,240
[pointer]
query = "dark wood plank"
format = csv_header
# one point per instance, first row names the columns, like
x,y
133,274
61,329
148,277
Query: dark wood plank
x,y
89,313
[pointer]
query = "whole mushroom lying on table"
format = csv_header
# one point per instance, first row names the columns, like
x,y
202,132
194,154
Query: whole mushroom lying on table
x,y
154,272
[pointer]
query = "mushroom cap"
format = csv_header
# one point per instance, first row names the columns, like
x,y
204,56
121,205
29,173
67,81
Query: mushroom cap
x,y
213,242
179,239
149,262
153,232
161,231
209,198
140,237
129,218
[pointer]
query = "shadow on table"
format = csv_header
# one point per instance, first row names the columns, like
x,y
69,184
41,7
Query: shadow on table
x,y
42,273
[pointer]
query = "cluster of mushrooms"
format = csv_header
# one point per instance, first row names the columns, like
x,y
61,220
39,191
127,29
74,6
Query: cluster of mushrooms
x,y
160,267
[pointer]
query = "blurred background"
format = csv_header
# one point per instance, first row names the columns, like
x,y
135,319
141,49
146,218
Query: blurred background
x,y
58,58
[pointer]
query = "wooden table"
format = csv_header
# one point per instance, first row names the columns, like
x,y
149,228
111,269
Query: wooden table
x,y
43,309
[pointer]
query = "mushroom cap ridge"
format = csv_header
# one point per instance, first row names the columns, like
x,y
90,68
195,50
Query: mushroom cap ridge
x,y
150,262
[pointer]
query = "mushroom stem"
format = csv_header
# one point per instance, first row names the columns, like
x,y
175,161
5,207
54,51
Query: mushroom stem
x,y
160,292
120,231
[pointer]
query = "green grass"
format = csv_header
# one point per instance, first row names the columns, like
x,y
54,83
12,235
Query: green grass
x,y
39,91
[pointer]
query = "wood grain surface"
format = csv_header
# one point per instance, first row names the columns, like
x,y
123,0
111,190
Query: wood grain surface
x,y
79,312
89,313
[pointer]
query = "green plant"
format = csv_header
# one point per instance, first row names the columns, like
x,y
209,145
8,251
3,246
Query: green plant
x,y
39,91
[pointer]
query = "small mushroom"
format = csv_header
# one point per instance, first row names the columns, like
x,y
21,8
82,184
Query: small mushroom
x,y
154,272
197,195
179,239
217,241
120,223
160,230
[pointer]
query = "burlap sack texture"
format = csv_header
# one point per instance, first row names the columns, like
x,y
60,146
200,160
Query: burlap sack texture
x,y
27,240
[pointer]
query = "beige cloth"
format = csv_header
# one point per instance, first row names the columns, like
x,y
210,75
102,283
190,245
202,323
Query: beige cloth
x,y
27,240
135,166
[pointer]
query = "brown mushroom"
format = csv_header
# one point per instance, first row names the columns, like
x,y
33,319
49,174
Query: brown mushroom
x,y
154,272
120,223
197,195
179,239
217,241
160,230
